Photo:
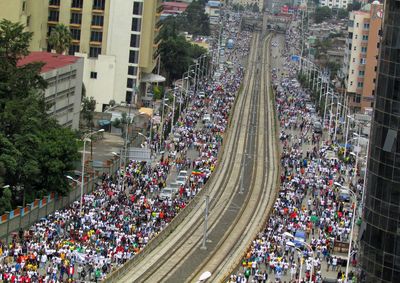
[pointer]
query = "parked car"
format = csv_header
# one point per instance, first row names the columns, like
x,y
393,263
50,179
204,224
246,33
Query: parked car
x,y
182,173
167,193
181,180
317,127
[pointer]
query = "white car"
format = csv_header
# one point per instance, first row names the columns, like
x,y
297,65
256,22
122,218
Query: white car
x,y
181,180
182,173
167,193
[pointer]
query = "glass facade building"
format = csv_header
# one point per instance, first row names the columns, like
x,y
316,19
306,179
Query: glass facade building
x,y
380,233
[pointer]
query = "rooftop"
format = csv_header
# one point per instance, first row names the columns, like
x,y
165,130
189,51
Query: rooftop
x,y
176,4
52,60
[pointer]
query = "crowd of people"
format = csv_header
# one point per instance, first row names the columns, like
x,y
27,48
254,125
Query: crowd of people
x,y
312,212
86,241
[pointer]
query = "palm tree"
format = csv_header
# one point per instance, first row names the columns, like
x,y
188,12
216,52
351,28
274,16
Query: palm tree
x,y
60,38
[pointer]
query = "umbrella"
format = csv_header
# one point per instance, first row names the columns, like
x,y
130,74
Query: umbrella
x,y
314,218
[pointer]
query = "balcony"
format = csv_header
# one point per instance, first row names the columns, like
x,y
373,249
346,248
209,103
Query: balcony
x,y
96,27
76,9
98,10
75,25
95,43
52,21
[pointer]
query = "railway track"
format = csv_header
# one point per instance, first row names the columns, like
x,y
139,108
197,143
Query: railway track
x,y
251,125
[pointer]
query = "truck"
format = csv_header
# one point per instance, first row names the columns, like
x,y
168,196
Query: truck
x,y
230,44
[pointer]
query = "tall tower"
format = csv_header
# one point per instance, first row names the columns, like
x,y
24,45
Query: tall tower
x,y
380,241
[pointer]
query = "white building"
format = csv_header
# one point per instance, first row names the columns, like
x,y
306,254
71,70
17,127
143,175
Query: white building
x,y
336,4
63,73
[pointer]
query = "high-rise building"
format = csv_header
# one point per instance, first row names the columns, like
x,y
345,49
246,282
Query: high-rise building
x,y
32,14
380,241
118,40
360,60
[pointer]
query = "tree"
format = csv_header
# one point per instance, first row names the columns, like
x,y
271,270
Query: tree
x,y
355,6
342,13
121,123
88,107
25,127
60,38
196,20
5,201
322,14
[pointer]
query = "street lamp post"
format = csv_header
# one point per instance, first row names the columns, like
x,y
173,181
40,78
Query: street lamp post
x,y
85,139
352,227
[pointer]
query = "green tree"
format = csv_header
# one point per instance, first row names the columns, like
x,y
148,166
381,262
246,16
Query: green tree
x,y
5,201
196,20
25,127
322,14
355,6
342,13
88,107
60,38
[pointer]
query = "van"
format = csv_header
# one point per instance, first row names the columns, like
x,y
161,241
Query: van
x,y
201,94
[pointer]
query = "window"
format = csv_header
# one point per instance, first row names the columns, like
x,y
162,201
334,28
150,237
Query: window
x,y
132,70
355,36
133,56
354,60
53,16
362,61
358,98
137,8
359,84
76,34
352,71
96,36
129,83
73,48
361,73
54,2
93,75
99,4
365,37
28,21
23,6
135,40
98,20
366,26
77,4
357,25
364,49
351,83
76,18
136,24
94,52
128,97
378,45
355,48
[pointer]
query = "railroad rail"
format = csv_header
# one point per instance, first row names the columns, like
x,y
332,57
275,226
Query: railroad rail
x,y
234,218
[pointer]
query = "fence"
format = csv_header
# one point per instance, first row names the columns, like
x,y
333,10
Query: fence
x,y
24,217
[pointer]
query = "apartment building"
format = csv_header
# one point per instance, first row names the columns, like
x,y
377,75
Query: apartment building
x,y
63,74
360,60
30,13
259,3
117,39
336,4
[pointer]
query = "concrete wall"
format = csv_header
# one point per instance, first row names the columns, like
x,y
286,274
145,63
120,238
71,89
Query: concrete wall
x,y
119,45
102,88
64,92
